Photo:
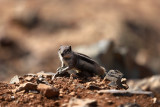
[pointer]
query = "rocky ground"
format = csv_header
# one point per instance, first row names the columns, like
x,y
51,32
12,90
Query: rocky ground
x,y
40,90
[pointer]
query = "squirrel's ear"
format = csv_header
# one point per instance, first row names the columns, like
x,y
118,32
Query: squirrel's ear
x,y
70,48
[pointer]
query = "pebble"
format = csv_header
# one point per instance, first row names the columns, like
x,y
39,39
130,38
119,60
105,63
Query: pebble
x,y
92,86
46,74
48,91
26,86
129,105
12,97
72,93
110,102
154,100
76,102
14,80
124,92
29,78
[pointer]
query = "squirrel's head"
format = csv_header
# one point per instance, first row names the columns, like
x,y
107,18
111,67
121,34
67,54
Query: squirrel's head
x,y
64,50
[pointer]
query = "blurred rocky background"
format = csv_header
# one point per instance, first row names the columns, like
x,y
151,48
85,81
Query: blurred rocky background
x,y
123,35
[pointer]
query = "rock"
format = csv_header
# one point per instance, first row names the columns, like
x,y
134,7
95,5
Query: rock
x,y
46,74
75,102
41,79
115,76
92,86
80,86
110,102
33,91
61,92
15,80
64,105
115,73
12,97
26,86
48,91
72,93
31,74
152,84
154,100
126,92
29,78
129,105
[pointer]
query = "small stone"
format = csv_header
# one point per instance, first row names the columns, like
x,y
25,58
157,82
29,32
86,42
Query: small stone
x,y
32,96
75,102
48,91
72,93
20,77
14,80
116,79
115,73
154,100
33,91
64,105
66,100
80,86
30,74
129,105
12,97
56,103
61,91
26,86
106,98
39,106
110,102
1,97
117,97
125,92
29,78
88,83
46,74
92,86
60,94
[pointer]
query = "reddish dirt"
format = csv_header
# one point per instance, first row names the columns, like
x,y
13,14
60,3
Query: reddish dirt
x,y
69,88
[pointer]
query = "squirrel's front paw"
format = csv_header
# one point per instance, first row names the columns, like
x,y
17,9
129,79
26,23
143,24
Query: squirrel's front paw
x,y
59,69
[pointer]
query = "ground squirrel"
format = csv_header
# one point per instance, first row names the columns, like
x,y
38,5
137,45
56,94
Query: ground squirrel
x,y
76,61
